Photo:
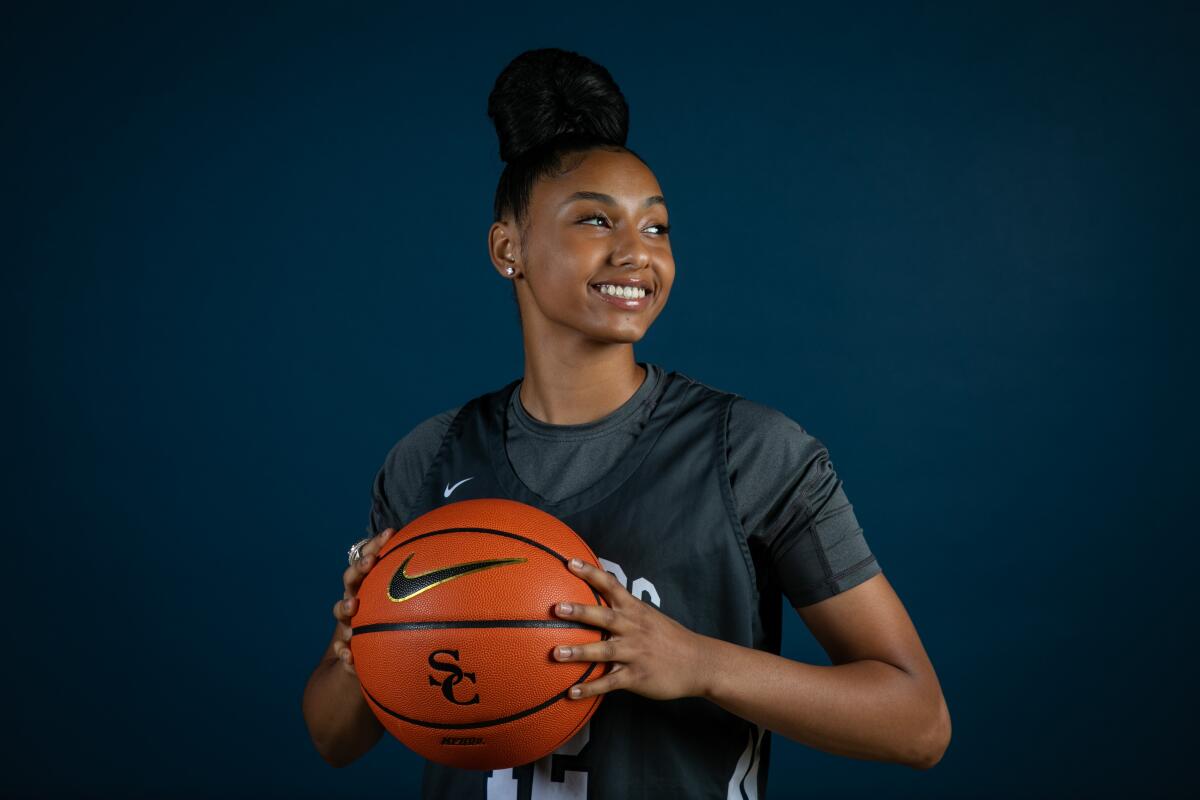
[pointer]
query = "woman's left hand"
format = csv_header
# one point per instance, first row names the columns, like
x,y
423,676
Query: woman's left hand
x,y
650,653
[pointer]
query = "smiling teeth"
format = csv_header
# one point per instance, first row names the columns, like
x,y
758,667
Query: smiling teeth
x,y
628,292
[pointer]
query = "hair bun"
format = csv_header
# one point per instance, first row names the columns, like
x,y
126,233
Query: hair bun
x,y
549,93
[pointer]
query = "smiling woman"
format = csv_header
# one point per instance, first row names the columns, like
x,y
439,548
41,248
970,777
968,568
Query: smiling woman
x,y
589,266
705,509
581,224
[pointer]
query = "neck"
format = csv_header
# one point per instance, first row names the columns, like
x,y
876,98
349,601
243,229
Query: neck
x,y
576,381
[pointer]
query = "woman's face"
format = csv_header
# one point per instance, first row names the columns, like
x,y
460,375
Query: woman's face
x,y
602,222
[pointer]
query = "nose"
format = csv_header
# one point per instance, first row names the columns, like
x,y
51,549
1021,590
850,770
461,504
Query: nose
x,y
630,250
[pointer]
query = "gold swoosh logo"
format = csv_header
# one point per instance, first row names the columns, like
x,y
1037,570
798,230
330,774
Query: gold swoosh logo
x,y
404,586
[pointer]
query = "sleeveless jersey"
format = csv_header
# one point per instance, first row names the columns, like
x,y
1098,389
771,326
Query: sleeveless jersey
x,y
663,521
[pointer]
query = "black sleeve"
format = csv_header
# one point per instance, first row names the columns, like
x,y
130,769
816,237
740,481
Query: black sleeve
x,y
398,482
792,504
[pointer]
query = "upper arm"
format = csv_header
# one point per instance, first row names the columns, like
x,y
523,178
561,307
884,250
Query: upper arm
x,y
866,622
869,622
797,516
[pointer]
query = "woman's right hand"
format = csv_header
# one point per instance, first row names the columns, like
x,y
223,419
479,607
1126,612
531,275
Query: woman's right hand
x,y
345,608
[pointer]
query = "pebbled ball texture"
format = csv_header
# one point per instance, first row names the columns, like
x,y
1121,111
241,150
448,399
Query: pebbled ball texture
x,y
455,629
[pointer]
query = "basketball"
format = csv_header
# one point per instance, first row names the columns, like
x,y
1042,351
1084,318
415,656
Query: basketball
x,y
455,628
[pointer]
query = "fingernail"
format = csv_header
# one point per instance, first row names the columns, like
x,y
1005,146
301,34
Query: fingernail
x,y
564,608
564,652
576,563
576,691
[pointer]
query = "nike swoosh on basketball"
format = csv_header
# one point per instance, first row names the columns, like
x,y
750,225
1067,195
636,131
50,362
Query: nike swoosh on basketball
x,y
450,488
405,586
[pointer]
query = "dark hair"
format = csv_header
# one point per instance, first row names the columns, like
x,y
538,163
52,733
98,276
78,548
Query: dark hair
x,y
546,104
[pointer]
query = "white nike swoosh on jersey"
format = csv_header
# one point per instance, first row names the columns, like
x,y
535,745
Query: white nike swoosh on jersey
x,y
450,488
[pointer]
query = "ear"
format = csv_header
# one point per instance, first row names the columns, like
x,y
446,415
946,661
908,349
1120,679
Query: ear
x,y
503,248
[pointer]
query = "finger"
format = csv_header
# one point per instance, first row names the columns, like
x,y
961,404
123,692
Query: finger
x,y
352,578
589,614
376,544
602,581
353,574
607,650
344,656
343,609
370,550
599,686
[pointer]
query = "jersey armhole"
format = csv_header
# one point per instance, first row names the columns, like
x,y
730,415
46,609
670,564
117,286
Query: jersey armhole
x,y
424,499
731,510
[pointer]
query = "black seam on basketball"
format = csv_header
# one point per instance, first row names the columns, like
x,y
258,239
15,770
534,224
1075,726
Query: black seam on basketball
x,y
596,698
440,531
377,627
487,724
517,536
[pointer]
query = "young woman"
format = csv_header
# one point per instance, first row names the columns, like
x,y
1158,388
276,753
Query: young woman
x,y
704,507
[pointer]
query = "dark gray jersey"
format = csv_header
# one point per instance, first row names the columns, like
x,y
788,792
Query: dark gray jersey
x,y
663,520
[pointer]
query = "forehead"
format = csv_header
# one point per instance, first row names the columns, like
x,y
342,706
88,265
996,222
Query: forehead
x,y
618,174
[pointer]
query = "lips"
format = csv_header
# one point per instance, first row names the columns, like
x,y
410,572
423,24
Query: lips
x,y
625,304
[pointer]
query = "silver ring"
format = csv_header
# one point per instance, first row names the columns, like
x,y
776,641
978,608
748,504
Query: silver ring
x,y
355,551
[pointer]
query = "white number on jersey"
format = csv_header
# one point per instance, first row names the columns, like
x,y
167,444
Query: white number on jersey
x,y
502,784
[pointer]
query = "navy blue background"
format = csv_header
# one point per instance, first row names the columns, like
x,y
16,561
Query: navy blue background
x,y
245,253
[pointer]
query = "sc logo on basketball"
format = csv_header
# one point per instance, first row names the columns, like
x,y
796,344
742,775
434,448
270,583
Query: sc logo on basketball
x,y
453,679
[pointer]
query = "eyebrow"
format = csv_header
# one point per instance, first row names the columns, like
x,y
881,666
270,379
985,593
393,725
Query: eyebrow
x,y
610,200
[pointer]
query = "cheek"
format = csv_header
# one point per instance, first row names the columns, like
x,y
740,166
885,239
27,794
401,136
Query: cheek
x,y
563,297
666,273
666,282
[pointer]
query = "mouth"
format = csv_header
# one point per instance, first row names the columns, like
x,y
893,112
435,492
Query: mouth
x,y
628,296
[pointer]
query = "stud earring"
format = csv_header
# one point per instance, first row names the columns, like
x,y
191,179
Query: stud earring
x,y
509,271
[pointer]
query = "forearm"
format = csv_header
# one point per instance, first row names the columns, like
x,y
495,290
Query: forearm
x,y
339,721
864,709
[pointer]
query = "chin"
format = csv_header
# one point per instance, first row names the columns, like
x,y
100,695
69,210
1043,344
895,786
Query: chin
x,y
625,336
628,337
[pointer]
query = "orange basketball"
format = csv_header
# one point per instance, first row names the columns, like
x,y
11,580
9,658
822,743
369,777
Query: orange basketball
x,y
455,629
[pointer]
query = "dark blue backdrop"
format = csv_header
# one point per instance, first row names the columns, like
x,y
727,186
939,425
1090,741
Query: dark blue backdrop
x,y
245,253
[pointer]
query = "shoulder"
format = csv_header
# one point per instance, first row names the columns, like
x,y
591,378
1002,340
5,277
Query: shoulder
x,y
776,468
761,430
699,385
752,426
757,419
699,392
398,481
417,448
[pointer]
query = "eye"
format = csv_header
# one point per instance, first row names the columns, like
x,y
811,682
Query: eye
x,y
663,229
591,217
